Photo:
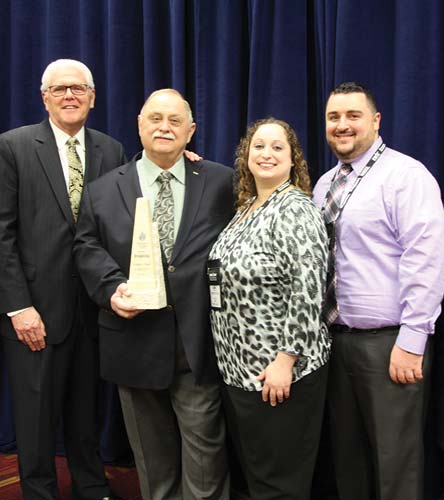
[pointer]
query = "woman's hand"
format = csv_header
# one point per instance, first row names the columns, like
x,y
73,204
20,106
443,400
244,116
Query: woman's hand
x,y
192,156
277,378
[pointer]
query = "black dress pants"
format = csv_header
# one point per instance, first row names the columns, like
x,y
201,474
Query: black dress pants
x,y
57,382
376,425
277,446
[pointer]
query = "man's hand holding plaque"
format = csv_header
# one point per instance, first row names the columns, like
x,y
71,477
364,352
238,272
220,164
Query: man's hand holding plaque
x,y
146,285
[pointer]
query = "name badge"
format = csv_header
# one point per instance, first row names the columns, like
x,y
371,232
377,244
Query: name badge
x,y
214,283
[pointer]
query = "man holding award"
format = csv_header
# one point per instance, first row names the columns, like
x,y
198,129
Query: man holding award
x,y
155,339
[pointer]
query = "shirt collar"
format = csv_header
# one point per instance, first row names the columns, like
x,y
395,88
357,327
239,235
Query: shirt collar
x,y
61,137
361,161
152,171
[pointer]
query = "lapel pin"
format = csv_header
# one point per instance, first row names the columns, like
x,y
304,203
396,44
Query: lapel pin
x,y
195,173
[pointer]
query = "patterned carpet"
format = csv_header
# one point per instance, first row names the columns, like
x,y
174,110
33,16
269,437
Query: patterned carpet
x,y
123,481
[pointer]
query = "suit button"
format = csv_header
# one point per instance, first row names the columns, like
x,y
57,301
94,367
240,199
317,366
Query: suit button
x,y
169,307
171,269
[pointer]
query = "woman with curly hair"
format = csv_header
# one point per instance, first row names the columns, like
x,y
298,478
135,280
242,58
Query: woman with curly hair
x,y
267,274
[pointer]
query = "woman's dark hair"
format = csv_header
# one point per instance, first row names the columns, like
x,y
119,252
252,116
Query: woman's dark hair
x,y
245,186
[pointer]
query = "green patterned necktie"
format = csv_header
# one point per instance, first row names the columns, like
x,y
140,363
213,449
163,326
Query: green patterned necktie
x,y
164,213
75,178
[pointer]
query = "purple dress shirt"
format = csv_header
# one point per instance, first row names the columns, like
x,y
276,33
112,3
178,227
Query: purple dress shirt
x,y
389,256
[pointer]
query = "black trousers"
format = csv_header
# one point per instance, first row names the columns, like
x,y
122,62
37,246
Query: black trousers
x,y
376,425
58,382
277,446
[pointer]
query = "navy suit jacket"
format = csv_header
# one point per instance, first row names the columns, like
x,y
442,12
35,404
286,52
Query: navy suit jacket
x,y
37,227
140,352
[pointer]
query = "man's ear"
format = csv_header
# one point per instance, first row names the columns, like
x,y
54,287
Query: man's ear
x,y
191,132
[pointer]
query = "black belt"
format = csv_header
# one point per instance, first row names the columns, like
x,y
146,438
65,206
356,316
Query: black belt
x,y
348,329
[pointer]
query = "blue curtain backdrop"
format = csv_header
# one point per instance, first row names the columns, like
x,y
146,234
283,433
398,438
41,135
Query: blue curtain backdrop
x,y
235,61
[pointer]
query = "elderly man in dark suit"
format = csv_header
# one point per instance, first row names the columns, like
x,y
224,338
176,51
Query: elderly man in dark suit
x,y
163,360
46,319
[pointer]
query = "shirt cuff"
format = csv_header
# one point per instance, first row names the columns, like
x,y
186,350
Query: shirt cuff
x,y
14,313
412,340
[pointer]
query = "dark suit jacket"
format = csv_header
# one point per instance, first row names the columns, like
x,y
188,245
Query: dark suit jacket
x,y
140,352
37,228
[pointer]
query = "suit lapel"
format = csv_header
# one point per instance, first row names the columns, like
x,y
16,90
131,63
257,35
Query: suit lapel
x,y
48,155
93,158
129,186
194,185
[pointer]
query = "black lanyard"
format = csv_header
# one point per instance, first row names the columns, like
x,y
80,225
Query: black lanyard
x,y
273,195
230,240
363,173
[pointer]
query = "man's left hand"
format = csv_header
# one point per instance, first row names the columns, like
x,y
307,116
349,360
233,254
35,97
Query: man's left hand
x,y
405,367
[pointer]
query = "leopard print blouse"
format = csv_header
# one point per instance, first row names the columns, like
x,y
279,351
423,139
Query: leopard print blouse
x,y
273,271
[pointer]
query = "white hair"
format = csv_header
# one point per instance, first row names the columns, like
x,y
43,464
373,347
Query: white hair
x,y
65,63
171,91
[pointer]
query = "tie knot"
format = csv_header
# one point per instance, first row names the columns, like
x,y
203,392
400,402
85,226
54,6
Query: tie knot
x,y
164,178
72,142
345,169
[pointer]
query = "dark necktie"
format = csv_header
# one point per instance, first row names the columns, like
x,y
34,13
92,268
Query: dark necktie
x,y
331,212
164,213
75,176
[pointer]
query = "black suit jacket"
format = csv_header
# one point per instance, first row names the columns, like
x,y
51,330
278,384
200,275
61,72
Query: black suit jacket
x,y
37,228
140,352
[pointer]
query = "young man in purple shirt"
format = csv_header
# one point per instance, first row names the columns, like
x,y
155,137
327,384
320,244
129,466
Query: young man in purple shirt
x,y
389,283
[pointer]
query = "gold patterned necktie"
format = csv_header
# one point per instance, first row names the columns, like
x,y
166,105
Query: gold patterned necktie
x,y
164,213
75,177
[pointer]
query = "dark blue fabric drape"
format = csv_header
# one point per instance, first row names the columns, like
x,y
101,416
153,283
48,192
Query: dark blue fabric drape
x,y
394,48
235,61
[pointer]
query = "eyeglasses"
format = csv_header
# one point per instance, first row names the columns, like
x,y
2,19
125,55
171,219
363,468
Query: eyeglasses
x,y
76,89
